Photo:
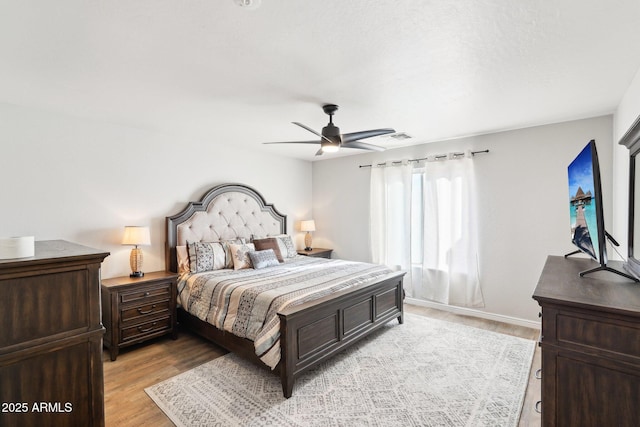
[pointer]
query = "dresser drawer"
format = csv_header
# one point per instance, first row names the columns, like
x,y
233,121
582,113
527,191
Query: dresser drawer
x,y
612,336
147,293
40,305
146,329
136,312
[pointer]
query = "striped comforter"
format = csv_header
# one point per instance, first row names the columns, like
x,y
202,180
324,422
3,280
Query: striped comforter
x,y
246,302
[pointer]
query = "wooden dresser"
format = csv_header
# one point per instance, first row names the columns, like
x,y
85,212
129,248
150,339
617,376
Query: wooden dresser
x,y
590,345
51,339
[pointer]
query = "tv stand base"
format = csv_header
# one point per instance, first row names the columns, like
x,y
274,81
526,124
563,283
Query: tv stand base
x,y
603,266
612,270
572,253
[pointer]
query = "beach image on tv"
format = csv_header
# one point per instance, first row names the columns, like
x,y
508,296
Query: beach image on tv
x,y
582,204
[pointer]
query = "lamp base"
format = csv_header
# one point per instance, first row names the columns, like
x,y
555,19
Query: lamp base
x,y
135,261
307,241
308,249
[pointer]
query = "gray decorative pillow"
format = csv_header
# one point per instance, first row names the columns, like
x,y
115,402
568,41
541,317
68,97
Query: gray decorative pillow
x,y
287,248
262,259
206,256
269,243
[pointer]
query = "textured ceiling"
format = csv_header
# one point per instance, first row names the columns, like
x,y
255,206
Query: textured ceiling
x,y
213,71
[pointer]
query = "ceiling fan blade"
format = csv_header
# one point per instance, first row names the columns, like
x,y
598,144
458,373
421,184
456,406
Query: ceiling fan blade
x,y
293,142
312,131
353,136
362,145
319,152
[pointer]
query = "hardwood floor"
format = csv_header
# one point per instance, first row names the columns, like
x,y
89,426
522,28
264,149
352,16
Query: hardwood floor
x,y
138,367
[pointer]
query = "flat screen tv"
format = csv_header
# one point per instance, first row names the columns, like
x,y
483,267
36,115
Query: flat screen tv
x,y
585,204
585,207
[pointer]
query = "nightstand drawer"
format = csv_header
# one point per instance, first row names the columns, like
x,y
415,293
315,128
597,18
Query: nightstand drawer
x,y
140,311
148,293
146,329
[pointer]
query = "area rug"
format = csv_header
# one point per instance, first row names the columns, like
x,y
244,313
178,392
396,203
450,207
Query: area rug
x,y
425,372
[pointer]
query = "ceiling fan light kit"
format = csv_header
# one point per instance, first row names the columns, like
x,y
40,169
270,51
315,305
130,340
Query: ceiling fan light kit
x,y
331,140
330,148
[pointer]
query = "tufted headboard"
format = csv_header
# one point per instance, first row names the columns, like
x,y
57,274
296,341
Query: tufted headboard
x,y
225,212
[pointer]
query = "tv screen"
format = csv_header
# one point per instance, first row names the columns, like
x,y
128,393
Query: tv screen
x,y
585,204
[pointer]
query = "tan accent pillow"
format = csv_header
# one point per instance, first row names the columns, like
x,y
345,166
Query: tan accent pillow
x,y
240,255
269,243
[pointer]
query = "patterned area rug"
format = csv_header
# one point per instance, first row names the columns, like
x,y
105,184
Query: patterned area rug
x,y
425,372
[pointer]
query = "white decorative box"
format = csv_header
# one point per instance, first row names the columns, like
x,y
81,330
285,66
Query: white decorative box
x,y
17,247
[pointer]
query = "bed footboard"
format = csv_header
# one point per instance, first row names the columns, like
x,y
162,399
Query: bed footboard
x,y
311,333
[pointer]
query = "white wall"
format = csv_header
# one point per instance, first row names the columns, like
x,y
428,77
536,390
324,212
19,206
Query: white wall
x,y
523,203
626,113
83,181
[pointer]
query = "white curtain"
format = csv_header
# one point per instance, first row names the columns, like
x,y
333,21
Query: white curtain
x,y
424,221
390,222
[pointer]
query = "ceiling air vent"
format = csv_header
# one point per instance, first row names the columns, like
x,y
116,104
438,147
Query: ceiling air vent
x,y
399,136
396,137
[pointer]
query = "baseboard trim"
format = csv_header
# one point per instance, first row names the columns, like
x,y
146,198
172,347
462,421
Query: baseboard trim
x,y
475,313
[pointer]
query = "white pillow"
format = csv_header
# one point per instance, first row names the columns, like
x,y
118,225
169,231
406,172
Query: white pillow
x,y
183,259
227,250
206,256
287,248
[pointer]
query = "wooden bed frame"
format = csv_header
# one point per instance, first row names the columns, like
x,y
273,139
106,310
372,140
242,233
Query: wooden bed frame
x,y
309,333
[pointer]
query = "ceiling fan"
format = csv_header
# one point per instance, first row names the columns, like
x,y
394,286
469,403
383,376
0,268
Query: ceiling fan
x,y
331,139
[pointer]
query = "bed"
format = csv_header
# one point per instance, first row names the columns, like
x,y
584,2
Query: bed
x,y
310,325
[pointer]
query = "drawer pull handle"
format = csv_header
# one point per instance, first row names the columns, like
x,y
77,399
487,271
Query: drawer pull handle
x,y
148,329
538,373
148,311
538,407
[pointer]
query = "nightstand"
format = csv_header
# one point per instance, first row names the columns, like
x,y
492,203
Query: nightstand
x,y
316,252
137,309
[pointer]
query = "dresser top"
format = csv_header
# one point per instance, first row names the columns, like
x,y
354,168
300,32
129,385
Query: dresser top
x,y
53,250
560,282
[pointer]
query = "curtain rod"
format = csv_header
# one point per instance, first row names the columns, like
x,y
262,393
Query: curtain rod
x,y
436,157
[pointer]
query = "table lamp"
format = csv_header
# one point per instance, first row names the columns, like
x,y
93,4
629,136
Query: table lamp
x,y
136,236
308,226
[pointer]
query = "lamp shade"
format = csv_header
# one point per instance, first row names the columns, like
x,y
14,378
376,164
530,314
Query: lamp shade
x,y
135,235
308,225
